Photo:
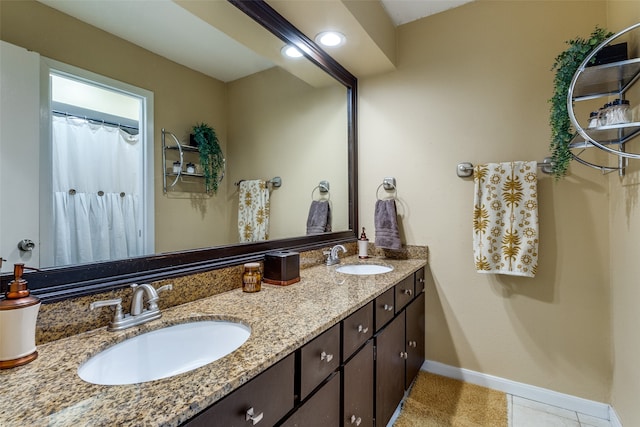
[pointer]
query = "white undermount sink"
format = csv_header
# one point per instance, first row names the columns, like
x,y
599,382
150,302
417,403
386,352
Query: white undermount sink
x,y
364,269
164,352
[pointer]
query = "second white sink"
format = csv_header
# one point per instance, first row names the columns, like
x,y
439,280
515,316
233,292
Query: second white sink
x,y
364,269
164,353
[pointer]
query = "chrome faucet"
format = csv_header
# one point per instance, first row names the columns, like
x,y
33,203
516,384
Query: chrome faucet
x,y
333,258
138,314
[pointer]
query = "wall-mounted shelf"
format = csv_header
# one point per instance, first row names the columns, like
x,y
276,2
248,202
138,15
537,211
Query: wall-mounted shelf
x,y
173,151
607,80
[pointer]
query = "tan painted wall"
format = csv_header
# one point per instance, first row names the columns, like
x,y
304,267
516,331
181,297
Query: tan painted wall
x,y
472,84
625,247
182,97
297,132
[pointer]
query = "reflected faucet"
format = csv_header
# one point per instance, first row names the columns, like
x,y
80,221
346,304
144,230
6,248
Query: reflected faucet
x,y
333,258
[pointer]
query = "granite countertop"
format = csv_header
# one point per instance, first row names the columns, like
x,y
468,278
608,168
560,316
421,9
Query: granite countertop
x,y
48,391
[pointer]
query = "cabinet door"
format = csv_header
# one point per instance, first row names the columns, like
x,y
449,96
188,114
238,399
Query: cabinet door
x,y
318,359
321,410
405,291
415,328
390,367
384,308
419,276
356,330
267,398
358,389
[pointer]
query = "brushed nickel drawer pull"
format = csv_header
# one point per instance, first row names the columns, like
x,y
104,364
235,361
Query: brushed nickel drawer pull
x,y
388,307
363,329
412,344
357,421
255,419
408,292
403,354
326,357
421,280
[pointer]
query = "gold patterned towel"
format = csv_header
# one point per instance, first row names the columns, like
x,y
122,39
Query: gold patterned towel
x,y
505,218
253,211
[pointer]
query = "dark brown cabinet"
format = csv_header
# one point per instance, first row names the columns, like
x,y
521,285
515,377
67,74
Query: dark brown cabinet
x,y
389,369
414,334
318,359
322,409
356,330
358,389
400,348
384,308
353,374
264,400
405,291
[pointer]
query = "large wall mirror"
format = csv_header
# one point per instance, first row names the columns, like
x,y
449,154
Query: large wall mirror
x,y
218,63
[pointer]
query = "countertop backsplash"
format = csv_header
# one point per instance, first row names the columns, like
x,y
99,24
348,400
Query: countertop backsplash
x,y
70,317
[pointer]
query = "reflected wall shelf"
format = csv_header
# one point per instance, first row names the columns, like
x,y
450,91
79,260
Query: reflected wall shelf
x,y
174,151
600,81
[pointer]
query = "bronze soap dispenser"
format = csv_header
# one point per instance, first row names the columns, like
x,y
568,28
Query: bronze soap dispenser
x,y
18,315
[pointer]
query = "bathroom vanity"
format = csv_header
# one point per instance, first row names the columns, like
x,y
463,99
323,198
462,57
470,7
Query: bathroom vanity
x,y
315,348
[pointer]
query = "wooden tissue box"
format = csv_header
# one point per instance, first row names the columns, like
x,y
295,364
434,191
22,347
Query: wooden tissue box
x,y
281,268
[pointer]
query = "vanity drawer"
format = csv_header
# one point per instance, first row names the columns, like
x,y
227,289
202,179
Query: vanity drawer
x,y
384,308
405,291
318,359
419,276
356,330
269,397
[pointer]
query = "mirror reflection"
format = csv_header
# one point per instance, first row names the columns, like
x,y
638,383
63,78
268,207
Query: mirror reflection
x,y
274,117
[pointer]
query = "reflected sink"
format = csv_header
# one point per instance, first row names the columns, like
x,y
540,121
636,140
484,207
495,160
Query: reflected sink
x,y
164,352
364,269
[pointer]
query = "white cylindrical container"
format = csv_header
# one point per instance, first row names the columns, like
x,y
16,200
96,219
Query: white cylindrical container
x,y
363,245
17,335
18,316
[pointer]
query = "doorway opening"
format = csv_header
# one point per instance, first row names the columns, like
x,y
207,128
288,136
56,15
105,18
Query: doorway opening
x,y
101,158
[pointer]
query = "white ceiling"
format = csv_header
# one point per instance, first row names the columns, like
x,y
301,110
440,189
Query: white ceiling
x,y
404,11
164,27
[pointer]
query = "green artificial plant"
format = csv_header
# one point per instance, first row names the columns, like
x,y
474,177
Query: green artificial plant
x,y
211,157
566,64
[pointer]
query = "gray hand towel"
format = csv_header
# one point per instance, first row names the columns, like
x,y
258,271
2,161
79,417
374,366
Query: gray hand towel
x,y
319,219
386,222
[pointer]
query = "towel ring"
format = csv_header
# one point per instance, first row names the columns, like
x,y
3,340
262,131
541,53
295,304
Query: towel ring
x,y
322,191
389,184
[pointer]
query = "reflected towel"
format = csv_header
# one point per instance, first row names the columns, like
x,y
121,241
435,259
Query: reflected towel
x,y
505,218
319,219
386,222
253,211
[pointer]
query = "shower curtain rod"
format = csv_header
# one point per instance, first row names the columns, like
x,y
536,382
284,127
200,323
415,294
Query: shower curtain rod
x,y
104,122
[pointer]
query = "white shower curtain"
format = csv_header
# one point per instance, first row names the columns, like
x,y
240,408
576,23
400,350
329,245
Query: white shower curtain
x,y
96,192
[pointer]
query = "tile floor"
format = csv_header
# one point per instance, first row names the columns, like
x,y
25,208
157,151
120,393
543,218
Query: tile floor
x,y
528,413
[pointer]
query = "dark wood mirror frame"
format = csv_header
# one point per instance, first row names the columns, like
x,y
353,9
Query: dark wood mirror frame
x,y
55,284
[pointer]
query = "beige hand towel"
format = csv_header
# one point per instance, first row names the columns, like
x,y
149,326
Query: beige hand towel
x,y
253,211
505,218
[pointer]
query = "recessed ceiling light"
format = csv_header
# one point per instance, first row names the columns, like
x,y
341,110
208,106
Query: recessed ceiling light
x,y
291,51
330,38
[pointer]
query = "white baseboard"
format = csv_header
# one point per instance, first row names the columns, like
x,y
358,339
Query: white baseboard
x,y
539,394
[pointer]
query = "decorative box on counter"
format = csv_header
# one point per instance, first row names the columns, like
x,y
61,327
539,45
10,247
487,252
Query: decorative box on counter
x,y
281,268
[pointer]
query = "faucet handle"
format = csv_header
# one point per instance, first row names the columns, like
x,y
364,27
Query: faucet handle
x,y
164,288
109,302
